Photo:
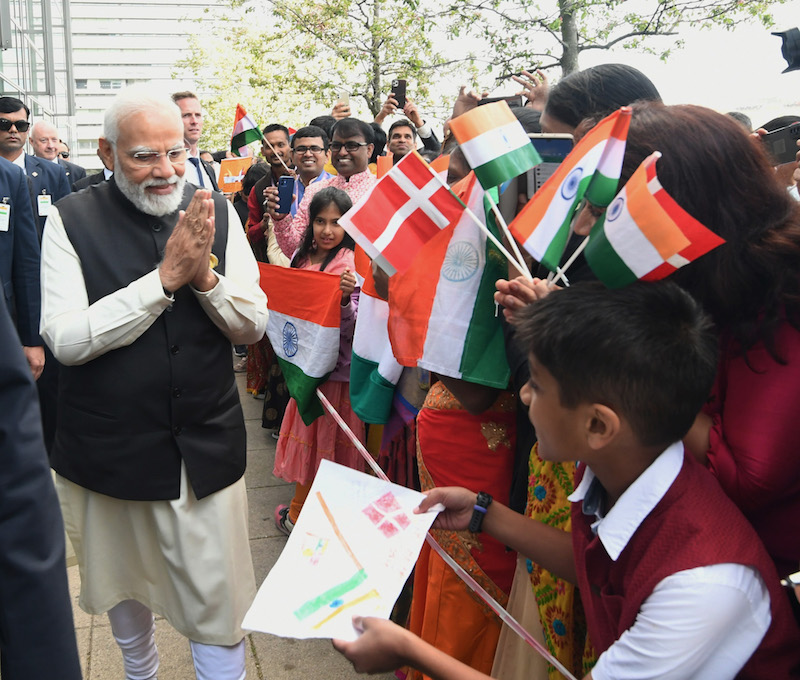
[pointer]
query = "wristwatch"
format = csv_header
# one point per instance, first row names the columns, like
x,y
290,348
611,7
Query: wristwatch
x,y
482,503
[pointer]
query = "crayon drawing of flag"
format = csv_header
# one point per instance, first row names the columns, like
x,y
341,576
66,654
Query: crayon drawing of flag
x,y
245,131
441,311
404,210
303,329
543,225
494,143
645,234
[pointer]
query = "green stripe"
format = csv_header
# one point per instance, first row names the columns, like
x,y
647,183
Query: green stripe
x,y
507,166
604,261
371,394
601,189
484,358
308,608
244,138
555,251
303,388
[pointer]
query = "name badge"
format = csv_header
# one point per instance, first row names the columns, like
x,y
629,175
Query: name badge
x,y
44,201
5,216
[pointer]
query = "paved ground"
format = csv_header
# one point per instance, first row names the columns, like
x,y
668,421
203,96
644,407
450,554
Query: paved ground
x,y
268,657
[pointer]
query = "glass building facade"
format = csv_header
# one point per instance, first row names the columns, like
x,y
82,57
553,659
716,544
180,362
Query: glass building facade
x,y
36,60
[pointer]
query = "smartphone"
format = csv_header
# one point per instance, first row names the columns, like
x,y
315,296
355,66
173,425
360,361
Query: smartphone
x,y
781,144
399,92
344,97
285,193
514,100
553,148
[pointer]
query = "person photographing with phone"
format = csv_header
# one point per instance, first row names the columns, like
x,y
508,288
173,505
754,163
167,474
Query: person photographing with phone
x,y
398,101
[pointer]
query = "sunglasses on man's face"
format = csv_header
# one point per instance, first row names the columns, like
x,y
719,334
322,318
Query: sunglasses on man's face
x,y
64,154
21,125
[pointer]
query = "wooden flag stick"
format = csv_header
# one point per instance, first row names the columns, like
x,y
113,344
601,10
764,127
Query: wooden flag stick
x,y
276,154
569,262
502,222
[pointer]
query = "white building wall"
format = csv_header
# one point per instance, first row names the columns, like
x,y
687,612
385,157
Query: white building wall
x,y
115,44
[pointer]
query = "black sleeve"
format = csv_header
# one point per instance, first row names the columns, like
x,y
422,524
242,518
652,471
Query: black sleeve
x,y
37,634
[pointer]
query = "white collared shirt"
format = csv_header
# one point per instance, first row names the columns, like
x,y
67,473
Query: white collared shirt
x,y
191,172
20,161
702,623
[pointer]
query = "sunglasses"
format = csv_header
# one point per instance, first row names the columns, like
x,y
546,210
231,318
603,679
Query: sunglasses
x,y
64,154
21,125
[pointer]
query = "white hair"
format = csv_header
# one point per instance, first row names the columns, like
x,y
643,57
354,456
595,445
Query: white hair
x,y
133,100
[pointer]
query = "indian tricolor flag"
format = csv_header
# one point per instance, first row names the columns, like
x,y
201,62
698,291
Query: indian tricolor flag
x,y
303,329
543,225
374,371
403,211
645,234
245,131
494,143
441,311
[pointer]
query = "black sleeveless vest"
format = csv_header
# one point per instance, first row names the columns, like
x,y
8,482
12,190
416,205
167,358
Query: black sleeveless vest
x,y
127,418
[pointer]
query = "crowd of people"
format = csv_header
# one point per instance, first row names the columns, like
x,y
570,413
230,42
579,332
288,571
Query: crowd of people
x,y
628,496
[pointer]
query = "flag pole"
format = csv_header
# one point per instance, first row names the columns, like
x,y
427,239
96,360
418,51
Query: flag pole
x,y
498,609
272,148
520,267
570,261
502,222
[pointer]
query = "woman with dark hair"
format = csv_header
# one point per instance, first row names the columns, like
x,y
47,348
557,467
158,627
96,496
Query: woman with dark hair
x,y
748,433
594,93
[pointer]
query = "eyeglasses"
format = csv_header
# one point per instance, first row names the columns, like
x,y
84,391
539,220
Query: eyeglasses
x,y
148,159
21,125
64,154
316,150
350,146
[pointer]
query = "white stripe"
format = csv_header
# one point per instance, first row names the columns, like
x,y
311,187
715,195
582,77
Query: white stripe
x,y
633,247
371,337
417,199
558,209
678,261
243,124
495,143
612,158
654,186
454,303
317,346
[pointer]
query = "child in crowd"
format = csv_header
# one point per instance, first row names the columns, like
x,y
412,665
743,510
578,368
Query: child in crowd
x,y
674,580
325,247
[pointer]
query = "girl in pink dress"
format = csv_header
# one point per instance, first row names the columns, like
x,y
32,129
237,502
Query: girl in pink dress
x,y
301,447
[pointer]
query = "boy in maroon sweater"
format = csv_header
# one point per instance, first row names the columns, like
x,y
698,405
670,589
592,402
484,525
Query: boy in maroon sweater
x,y
675,582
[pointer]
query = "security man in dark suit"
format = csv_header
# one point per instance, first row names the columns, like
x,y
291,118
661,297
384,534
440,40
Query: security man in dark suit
x,y
47,181
19,262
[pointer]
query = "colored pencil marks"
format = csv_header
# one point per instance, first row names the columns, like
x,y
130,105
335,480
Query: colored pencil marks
x,y
333,596
387,515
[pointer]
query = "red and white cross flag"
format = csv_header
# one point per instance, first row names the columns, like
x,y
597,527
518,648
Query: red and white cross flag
x,y
405,209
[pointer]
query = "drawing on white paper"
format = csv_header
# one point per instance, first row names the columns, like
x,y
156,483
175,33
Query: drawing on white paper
x,y
350,552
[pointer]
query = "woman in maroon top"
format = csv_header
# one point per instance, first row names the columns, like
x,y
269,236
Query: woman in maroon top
x,y
749,432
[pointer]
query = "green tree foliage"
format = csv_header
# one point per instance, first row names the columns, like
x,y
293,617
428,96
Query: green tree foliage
x,y
288,60
528,33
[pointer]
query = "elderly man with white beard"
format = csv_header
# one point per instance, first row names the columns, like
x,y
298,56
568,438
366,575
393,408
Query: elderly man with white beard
x,y
145,286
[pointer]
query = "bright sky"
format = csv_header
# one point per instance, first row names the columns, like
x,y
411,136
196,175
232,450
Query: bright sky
x,y
724,70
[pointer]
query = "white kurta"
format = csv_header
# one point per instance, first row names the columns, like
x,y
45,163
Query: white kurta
x,y
187,560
